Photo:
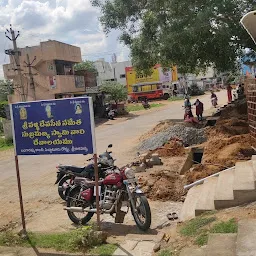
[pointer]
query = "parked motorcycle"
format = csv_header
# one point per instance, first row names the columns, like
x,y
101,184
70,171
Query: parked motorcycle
x,y
67,173
109,112
145,104
118,188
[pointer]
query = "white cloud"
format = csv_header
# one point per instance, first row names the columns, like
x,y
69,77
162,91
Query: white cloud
x,y
70,21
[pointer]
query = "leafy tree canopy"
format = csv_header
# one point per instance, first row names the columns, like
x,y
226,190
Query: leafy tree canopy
x,y
85,65
191,34
116,91
5,89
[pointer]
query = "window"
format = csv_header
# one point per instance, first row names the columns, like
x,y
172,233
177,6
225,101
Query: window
x,y
122,76
64,67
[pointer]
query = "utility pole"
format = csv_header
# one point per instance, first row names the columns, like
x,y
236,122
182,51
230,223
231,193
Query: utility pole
x,y
31,79
13,37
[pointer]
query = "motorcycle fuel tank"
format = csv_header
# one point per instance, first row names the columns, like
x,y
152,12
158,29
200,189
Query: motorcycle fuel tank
x,y
112,179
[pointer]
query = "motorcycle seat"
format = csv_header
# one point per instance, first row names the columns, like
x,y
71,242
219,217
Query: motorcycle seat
x,y
86,182
74,169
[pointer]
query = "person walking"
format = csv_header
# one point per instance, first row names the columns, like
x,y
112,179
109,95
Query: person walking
x,y
199,109
187,107
229,91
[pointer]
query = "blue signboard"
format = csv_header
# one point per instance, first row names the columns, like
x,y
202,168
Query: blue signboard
x,y
64,126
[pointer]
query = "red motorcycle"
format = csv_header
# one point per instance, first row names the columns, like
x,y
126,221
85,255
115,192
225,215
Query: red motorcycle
x,y
117,189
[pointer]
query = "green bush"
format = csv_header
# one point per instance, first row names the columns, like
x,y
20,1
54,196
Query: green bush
x,y
3,104
5,143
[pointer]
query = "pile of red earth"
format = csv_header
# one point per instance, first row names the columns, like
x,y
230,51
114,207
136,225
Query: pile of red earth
x,y
172,148
228,142
164,186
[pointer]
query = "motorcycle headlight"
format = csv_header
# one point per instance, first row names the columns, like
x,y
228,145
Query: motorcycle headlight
x,y
129,173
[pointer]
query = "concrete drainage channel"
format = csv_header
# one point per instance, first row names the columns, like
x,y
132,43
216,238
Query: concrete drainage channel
x,y
194,156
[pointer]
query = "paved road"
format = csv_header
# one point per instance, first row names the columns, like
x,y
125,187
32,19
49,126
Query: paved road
x,y
38,172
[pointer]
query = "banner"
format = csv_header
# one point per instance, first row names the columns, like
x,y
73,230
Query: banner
x,y
64,126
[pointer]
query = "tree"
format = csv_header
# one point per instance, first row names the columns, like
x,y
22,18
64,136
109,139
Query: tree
x,y
116,91
85,65
5,89
190,34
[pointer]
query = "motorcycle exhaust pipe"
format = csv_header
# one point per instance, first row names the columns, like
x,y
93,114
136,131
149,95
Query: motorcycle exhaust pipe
x,y
79,209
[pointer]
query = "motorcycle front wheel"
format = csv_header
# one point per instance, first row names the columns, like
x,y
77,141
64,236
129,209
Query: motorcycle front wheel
x,y
74,201
142,213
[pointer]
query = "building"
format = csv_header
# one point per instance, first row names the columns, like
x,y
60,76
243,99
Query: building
x,y
114,71
53,72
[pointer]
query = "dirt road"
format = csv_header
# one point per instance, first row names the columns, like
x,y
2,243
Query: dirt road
x,y
42,205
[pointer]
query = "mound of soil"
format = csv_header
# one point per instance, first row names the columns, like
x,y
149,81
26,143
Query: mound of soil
x,y
164,186
172,148
220,154
229,127
239,109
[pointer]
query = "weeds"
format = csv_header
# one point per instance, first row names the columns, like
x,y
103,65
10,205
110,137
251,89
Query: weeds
x,y
165,252
202,239
81,239
225,227
192,228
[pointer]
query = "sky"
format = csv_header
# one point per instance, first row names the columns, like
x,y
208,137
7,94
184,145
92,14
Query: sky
x,y
70,21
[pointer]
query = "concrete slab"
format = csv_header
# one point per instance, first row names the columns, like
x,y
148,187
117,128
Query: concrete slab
x,y
193,252
221,245
135,248
224,196
244,176
188,208
246,238
206,200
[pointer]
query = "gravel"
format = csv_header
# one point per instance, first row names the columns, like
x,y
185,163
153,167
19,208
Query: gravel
x,y
189,136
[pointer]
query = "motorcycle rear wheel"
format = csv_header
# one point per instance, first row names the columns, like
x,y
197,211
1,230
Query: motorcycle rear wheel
x,y
142,216
73,201
62,192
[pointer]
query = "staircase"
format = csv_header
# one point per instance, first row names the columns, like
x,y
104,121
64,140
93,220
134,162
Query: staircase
x,y
240,244
231,188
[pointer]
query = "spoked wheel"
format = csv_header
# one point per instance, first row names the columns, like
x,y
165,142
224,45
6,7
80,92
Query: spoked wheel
x,y
64,184
142,214
74,201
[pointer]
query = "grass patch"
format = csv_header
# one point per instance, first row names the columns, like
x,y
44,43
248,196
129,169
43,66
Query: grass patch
x,y
5,144
202,239
80,240
176,98
165,252
137,107
192,228
225,227
105,249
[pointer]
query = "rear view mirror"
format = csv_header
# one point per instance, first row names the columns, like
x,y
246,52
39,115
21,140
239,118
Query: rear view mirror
x,y
110,146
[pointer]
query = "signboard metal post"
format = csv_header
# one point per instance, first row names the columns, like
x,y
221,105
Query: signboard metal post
x,y
20,195
96,171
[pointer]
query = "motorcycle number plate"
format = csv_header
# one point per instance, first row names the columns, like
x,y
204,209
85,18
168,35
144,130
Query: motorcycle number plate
x,y
94,191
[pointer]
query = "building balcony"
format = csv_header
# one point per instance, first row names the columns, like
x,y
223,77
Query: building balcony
x,y
66,84
9,73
